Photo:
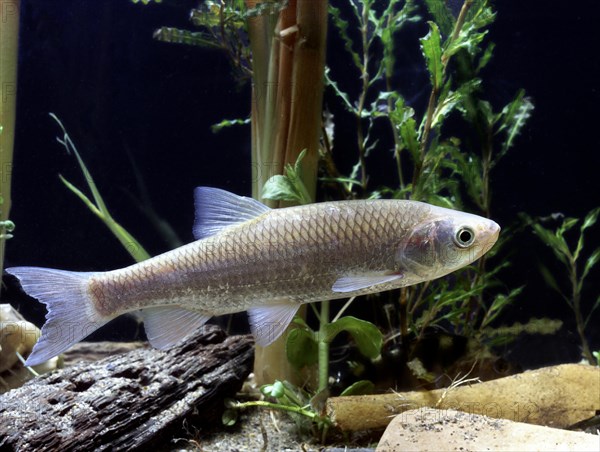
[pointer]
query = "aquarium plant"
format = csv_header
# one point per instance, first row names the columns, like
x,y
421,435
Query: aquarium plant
x,y
9,40
571,252
445,166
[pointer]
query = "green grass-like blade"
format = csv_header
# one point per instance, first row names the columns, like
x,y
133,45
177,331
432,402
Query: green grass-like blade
x,y
98,207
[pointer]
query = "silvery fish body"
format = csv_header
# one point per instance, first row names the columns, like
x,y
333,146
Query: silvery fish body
x,y
267,262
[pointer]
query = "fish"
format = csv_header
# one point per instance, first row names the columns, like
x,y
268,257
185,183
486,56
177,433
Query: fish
x,y
268,262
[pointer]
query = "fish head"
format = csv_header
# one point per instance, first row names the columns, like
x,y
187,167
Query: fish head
x,y
445,241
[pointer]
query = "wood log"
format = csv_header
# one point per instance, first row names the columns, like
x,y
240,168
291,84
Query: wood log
x,y
557,396
132,401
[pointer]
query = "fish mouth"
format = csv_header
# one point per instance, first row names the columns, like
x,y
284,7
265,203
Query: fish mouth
x,y
489,236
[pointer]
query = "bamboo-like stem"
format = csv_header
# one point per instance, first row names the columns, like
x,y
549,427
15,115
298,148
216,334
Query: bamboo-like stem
x,y
261,30
307,89
288,73
9,42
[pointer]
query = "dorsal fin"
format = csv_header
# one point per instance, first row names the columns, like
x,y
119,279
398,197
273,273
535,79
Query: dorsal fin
x,y
217,209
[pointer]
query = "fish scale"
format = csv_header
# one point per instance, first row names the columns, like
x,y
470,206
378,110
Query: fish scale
x,y
267,262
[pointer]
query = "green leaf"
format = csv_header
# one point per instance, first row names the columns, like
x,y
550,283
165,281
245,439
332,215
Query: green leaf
x,y
567,225
289,187
557,244
501,301
301,348
468,40
449,100
432,51
275,390
342,26
367,336
486,57
229,417
187,37
361,387
512,119
442,201
469,37
442,15
589,221
341,180
280,188
402,118
341,94
549,278
591,261
228,123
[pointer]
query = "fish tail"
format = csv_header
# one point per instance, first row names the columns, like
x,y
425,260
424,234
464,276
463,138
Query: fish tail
x,y
71,314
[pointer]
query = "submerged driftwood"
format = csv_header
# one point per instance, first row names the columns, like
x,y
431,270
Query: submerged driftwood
x,y
129,401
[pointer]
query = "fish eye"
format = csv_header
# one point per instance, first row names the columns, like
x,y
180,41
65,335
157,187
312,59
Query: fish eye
x,y
464,237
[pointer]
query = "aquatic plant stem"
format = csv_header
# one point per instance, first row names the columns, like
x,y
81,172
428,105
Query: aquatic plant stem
x,y
576,306
9,42
395,134
277,406
323,347
362,98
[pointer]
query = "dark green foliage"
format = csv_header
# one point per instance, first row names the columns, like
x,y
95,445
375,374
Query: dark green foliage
x,y
302,343
222,26
445,169
577,268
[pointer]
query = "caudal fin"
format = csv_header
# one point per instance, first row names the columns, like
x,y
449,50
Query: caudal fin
x,y
71,314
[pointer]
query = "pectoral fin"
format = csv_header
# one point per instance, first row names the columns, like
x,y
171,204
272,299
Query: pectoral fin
x,y
270,321
353,283
166,326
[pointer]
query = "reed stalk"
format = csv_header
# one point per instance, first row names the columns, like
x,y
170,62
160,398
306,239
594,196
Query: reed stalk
x,y
288,61
9,42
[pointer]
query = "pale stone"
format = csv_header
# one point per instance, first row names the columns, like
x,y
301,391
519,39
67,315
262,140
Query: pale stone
x,y
428,429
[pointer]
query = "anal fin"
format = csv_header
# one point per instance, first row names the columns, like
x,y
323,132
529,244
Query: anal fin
x,y
167,325
268,322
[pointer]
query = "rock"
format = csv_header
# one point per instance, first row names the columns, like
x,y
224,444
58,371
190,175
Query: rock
x,y
428,429
132,401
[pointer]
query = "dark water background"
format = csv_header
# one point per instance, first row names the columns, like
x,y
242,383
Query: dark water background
x,y
121,93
